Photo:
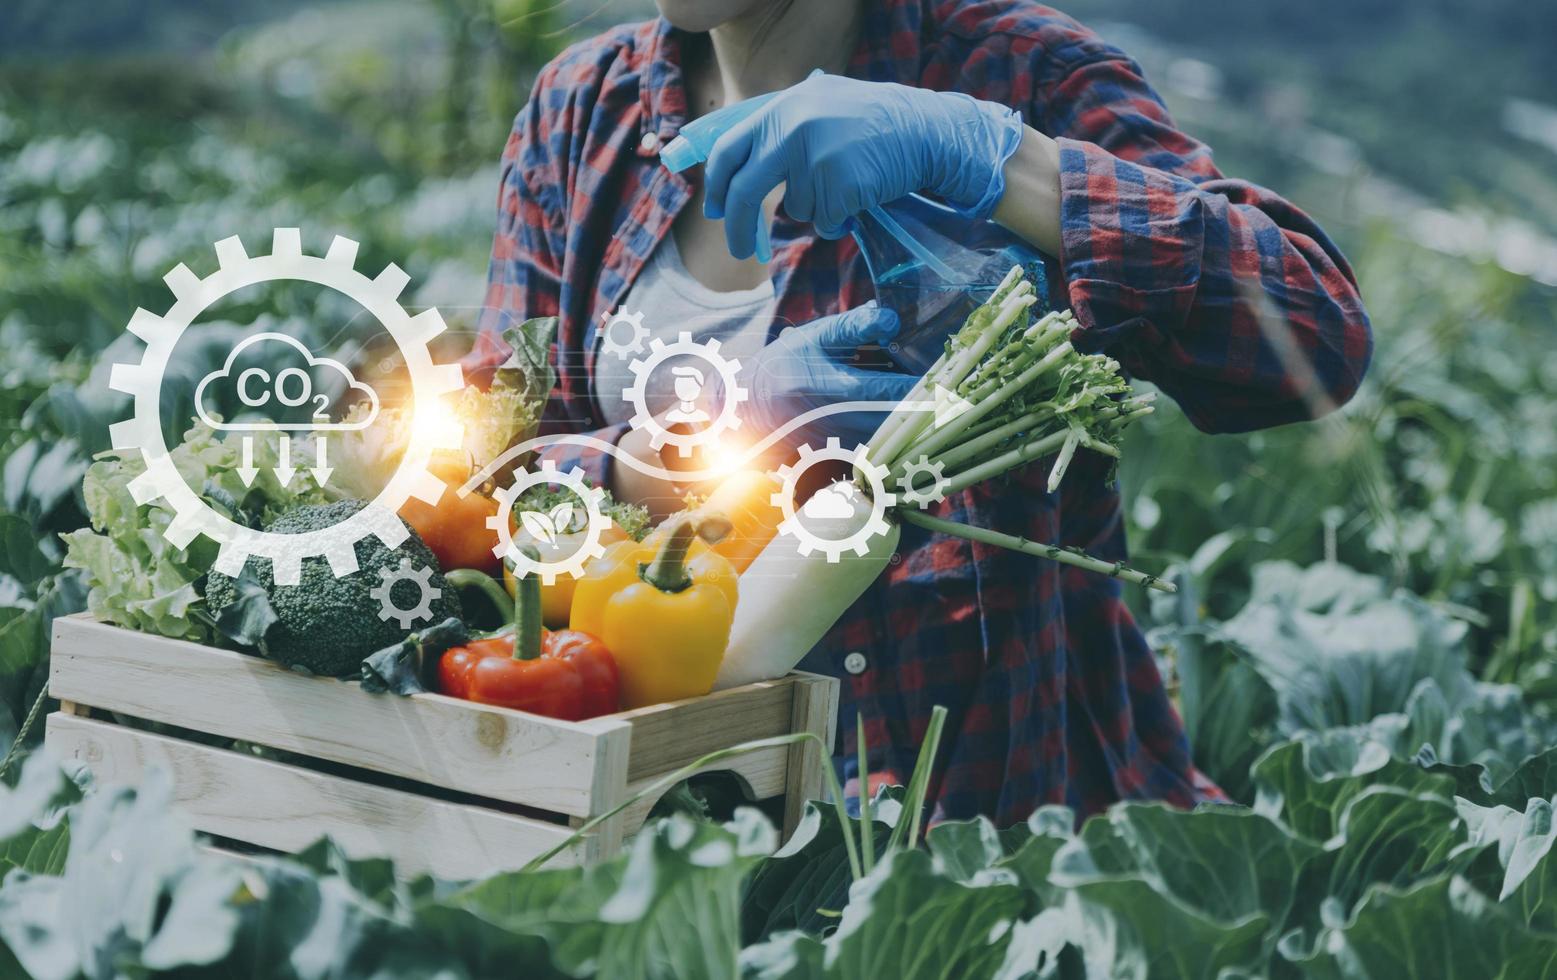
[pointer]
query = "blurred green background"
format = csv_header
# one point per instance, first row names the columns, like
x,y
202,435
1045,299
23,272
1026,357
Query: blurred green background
x,y
1424,135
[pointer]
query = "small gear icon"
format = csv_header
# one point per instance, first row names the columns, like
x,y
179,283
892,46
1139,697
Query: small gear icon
x,y
407,617
880,499
611,328
595,526
915,489
636,393
193,296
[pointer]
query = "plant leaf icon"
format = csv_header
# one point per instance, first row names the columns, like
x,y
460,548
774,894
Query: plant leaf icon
x,y
539,526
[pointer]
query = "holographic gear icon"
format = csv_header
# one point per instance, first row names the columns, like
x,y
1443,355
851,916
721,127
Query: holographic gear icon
x,y
406,617
611,326
880,499
192,296
916,489
659,352
595,525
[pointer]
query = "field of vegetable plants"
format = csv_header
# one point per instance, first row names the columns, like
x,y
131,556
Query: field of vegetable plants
x,y
1362,641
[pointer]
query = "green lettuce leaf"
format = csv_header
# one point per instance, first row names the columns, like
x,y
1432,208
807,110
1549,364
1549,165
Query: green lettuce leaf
x,y
135,576
909,918
1441,929
1165,893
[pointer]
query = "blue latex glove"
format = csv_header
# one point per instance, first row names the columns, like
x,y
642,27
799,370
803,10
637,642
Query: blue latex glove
x,y
842,146
807,366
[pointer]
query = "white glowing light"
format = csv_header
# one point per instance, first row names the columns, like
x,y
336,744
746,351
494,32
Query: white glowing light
x,y
435,419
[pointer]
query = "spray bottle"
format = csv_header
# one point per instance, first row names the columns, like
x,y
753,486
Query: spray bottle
x,y
696,140
930,264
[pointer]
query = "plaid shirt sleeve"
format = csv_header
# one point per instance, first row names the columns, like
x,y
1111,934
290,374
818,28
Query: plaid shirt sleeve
x,y
1226,296
524,278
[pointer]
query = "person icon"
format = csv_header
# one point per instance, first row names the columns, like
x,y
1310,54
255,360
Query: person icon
x,y
689,388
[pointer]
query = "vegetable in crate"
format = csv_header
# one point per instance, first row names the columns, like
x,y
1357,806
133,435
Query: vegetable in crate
x,y
663,608
561,534
561,674
746,498
455,528
135,576
327,624
1030,395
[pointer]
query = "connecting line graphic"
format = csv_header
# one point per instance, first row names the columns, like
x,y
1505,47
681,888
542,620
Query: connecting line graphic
x,y
946,405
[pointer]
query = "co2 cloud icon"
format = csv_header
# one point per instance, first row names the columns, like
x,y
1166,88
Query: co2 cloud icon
x,y
295,387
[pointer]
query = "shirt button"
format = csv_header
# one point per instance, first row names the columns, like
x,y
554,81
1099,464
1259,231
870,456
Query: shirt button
x,y
650,142
854,663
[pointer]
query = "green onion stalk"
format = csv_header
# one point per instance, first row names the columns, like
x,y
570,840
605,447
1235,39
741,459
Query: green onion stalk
x,y
1032,396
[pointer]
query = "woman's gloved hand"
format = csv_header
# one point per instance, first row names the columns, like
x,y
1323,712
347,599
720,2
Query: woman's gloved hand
x,y
842,145
807,367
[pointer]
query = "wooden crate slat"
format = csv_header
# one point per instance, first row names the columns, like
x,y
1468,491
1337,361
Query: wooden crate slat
x,y
816,711
764,771
610,788
491,752
574,769
287,808
669,736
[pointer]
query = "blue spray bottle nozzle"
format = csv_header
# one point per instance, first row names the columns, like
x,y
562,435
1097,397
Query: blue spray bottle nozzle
x,y
679,154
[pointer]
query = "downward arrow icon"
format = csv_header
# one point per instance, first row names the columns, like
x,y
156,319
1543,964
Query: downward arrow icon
x,y
248,471
284,469
321,470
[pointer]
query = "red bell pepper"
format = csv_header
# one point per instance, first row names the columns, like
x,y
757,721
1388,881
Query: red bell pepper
x,y
563,674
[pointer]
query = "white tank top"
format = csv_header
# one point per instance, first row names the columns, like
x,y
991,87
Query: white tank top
x,y
672,301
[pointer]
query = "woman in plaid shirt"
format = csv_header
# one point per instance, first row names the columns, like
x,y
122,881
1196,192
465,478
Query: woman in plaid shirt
x,y
1223,294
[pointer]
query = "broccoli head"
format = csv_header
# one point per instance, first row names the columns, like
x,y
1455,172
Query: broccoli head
x,y
328,625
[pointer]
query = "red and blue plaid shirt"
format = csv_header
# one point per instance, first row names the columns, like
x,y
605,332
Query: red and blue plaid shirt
x,y
1223,294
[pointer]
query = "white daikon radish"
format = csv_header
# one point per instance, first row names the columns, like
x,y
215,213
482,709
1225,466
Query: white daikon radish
x,y
1025,393
790,600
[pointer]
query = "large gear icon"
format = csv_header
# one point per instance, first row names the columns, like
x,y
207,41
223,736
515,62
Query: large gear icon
x,y
636,393
611,323
880,500
594,502
407,617
917,491
192,296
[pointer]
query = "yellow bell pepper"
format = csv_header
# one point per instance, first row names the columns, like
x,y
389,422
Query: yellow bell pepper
x,y
557,598
664,609
746,498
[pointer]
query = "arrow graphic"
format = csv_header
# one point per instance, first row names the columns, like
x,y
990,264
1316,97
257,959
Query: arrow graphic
x,y
284,468
321,470
248,471
947,405
944,405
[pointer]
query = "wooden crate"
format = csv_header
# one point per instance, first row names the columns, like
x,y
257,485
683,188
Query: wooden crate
x,y
494,787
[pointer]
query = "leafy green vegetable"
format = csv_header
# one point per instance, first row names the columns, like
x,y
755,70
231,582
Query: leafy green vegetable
x,y
529,368
135,576
633,519
248,616
910,919
806,881
1439,929
1024,393
20,556
406,667
1335,661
